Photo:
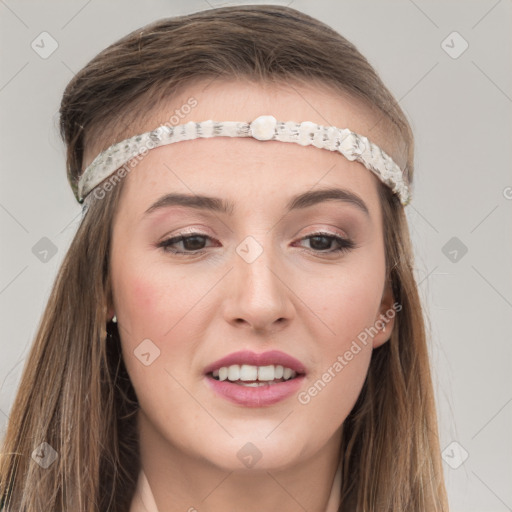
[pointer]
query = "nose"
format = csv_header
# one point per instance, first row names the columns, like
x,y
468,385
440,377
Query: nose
x,y
260,298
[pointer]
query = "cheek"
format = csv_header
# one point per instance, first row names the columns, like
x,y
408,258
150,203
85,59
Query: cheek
x,y
154,302
345,301
346,306
343,359
136,301
150,309
147,299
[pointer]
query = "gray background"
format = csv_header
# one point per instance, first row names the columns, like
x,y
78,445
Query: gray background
x,y
459,104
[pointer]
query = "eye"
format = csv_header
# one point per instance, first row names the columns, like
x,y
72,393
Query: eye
x,y
193,243
320,242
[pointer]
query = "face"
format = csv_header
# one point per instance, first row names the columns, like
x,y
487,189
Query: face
x,y
270,287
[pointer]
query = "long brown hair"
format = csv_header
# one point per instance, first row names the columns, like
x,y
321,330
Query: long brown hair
x,y
75,393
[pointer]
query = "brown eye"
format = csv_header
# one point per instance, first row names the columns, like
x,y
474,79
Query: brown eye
x,y
322,242
190,243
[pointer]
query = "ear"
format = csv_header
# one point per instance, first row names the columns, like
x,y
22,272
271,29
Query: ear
x,y
386,317
110,310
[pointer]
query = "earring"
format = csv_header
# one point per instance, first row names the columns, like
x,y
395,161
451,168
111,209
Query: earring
x,y
114,319
384,328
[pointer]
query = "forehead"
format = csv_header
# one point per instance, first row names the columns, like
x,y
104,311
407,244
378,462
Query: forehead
x,y
239,100
271,168
243,100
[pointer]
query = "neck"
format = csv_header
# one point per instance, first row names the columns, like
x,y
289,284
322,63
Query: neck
x,y
183,482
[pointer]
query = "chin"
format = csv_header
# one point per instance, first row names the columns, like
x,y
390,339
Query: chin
x,y
252,452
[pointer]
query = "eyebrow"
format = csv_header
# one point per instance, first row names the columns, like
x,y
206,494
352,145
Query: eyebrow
x,y
300,201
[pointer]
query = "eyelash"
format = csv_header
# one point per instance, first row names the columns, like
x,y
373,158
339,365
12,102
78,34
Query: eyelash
x,y
345,244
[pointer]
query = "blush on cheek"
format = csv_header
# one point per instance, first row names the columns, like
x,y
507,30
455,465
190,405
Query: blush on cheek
x,y
151,304
152,286
136,300
143,292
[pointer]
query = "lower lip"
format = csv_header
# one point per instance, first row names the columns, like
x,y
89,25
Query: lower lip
x,y
259,396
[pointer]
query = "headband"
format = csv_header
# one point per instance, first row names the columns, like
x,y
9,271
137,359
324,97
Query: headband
x,y
351,145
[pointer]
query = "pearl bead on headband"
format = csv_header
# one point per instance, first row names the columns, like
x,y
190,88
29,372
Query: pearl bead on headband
x,y
351,145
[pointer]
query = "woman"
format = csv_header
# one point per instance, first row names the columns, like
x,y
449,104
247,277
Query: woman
x,y
236,324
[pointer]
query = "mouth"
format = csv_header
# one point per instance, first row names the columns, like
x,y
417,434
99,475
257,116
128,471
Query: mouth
x,y
253,376
255,380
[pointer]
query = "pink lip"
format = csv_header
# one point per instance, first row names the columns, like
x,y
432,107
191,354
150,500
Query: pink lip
x,y
262,395
274,357
258,396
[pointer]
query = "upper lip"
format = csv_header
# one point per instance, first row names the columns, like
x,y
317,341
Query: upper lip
x,y
272,357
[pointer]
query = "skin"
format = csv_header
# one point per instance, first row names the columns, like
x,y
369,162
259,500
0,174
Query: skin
x,y
197,309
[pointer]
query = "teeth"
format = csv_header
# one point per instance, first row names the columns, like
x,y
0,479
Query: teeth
x,y
223,373
278,372
247,372
266,372
234,372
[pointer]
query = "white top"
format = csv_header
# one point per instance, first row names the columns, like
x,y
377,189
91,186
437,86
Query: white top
x,y
143,500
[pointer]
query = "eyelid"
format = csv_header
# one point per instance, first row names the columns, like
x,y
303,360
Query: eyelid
x,y
193,230
321,228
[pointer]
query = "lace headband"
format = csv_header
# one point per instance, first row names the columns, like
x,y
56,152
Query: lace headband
x,y
351,145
